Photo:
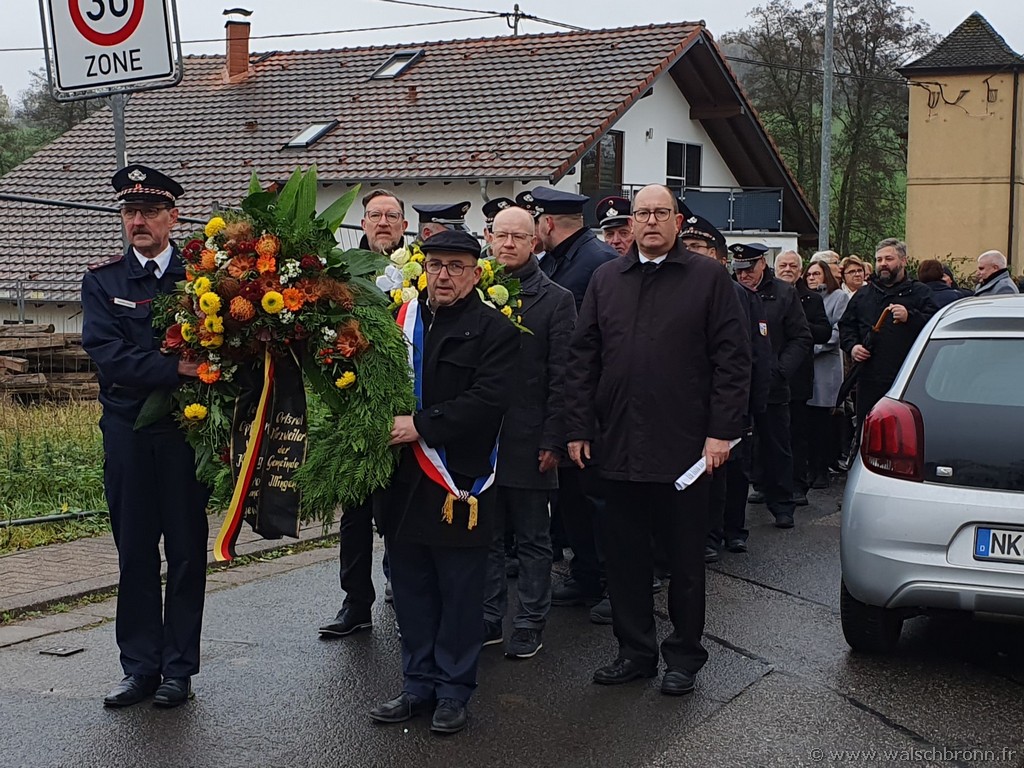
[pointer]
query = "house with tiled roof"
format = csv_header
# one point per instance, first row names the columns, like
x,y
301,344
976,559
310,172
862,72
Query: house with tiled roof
x,y
965,150
597,112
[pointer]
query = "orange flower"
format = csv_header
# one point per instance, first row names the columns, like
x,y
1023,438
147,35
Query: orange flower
x,y
241,265
266,264
242,309
208,260
293,299
208,374
268,245
351,341
310,289
238,230
189,275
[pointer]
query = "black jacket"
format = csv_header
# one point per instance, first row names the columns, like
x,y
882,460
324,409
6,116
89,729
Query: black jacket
x,y
890,345
469,359
536,418
572,262
760,348
789,333
660,361
801,388
943,294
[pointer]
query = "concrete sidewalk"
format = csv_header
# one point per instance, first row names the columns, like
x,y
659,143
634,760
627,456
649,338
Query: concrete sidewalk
x,y
70,569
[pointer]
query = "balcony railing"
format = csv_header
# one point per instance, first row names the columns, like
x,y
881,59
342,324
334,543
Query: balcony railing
x,y
730,209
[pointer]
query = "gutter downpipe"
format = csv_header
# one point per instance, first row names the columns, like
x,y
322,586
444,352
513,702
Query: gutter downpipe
x,y
1013,164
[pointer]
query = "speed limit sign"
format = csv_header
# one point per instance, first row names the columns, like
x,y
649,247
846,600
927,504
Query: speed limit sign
x,y
104,46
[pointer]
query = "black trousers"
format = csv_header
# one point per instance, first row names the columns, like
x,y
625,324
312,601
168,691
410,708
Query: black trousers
x,y
823,441
151,489
355,545
580,499
799,439
439,602
627,526
869,392
727,508
774,460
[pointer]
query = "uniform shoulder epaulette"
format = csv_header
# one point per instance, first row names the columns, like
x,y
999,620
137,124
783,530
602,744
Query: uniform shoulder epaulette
x,y
106,262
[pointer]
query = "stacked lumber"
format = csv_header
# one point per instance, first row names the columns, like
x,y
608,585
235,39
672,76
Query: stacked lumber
x,y
36,362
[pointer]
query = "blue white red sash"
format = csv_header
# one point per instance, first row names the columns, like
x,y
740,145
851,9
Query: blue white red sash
x,y
432,461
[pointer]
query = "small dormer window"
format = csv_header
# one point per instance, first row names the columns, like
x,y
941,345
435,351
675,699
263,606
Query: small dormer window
x,y
397,64
311,135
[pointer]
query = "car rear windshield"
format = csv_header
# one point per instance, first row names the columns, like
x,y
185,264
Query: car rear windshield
x,y
970,393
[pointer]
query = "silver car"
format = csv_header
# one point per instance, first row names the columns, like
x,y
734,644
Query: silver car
x,y
933,513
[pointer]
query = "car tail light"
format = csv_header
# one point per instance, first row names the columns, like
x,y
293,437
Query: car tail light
x,y
893,441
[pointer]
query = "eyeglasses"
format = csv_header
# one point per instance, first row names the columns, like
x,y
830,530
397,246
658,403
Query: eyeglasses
x,y
519,237
392,216
147,213
660,214
455,268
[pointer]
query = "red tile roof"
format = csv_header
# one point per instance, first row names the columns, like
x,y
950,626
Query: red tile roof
x,y
509,107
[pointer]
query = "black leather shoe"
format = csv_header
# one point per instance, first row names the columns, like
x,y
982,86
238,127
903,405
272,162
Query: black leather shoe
x,y
736,546
345,623
783,521
677,682
800,498
569,592
622,671
755,497
173,692
132,690
711,554
403,707
602,612
449,717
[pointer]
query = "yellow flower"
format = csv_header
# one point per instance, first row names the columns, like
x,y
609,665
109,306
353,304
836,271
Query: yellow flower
x,y
506,311
422,282
346,380
187,333
195,412
498,294
209,302
213,342
201,285
273,302
396,295
215,226
214,324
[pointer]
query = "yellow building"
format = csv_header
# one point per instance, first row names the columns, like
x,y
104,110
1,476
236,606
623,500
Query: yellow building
x,y
964,155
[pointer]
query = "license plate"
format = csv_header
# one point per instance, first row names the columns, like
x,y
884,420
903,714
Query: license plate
x,y
999,544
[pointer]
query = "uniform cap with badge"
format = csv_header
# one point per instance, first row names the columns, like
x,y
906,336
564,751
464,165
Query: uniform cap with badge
x,y
452,216
140,184
493,207
557,202
612,212
746,255
452,241
525,201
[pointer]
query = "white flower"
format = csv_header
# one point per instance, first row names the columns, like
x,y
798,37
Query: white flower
x,y
409,294
400,257
222,258
286,316
235,341
290,270
329,334
181,317
390,280
214,359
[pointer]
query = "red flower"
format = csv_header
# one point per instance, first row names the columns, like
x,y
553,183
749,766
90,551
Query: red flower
x,y
192,250
251,292
173,338
311,262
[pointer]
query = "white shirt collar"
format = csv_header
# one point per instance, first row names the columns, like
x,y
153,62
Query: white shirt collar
x,y
163,260
644,259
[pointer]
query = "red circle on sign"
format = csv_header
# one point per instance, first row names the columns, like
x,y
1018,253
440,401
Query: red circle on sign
x,y
106,38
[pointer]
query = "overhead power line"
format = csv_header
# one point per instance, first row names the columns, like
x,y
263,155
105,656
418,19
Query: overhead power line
x,y
812,71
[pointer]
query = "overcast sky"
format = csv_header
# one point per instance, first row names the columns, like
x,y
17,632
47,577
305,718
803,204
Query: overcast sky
x,y
201,19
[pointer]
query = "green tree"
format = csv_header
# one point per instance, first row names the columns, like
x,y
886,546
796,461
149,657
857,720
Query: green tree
x,y
872,39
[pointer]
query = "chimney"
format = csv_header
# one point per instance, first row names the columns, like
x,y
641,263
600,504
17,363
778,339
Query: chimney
x,y
236,64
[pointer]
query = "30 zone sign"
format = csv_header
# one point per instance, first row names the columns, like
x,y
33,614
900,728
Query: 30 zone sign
x,y
98,45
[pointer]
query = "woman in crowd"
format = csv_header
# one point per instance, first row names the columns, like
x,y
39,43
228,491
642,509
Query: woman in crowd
x,y
930,273
853,271
824,431
832,259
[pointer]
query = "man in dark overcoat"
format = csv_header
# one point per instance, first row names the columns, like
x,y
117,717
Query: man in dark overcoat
x,y
148,474
791,344
532,440
464,355
662,368
572,253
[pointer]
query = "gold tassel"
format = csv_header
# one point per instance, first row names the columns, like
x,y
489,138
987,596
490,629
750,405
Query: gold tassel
x,y
448,510
473,508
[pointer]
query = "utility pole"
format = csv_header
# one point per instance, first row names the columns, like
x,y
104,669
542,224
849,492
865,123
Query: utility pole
x,y
824,199
117,102
516,15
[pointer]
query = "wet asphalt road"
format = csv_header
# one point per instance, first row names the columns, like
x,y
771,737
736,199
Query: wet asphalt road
x,y
780,689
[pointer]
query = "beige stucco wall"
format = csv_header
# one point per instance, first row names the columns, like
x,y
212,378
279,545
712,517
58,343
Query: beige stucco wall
x,y
958,167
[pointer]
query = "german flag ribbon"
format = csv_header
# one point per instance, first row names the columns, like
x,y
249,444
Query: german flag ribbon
x,y
432,461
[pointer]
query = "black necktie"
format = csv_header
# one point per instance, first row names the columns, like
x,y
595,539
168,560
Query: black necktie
x,y
151,267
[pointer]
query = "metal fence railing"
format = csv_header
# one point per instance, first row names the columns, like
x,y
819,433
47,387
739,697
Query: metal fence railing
x,y
730,209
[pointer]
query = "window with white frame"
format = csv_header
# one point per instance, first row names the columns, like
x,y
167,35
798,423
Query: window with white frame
x,y
682,165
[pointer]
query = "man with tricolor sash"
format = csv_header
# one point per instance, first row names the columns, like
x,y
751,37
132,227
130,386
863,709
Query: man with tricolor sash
x,y
436,514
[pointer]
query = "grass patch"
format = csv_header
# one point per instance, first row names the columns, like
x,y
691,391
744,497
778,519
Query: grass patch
x,y
51,462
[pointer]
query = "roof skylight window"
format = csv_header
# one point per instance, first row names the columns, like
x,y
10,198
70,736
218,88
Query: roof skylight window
x,y
397,64
311,135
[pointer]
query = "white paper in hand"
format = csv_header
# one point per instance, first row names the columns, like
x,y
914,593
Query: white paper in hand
x,y
690,476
